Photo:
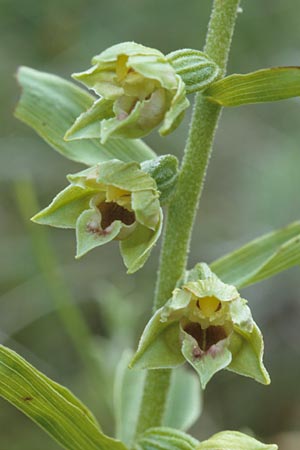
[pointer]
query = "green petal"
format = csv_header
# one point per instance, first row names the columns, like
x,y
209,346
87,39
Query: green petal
x,y
156,68
159,346
87,125
136,249
89,233
212,287
247,354
146,207
125,48
127,176
125,128
175,113
207,363
65,208
233,440
241,315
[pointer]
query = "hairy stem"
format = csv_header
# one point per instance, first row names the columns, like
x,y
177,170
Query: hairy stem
x,y
183,208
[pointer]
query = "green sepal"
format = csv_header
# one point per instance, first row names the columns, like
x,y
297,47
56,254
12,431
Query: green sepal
x,y
87,125
88,233
261,258
65,208
159,346
207,363
164,170
165,438
233,440
247,354
136,249
265,85
50,105
195,68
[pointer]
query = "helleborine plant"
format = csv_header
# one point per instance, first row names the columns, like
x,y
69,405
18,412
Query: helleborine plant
x,y
199,315
207,324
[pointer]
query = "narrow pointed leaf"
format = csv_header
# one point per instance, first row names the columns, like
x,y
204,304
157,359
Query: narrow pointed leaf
x,y
262,258
266,85
51,406
50,105
128,393
184,401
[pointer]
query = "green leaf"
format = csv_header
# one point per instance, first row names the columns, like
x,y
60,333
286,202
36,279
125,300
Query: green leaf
x,y
128,393
233,440
183,406
184,401
164,438
195,68
51,406
50,105
266,85
262,258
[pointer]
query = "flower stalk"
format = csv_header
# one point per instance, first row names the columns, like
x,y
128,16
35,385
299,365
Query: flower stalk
x,y
183,207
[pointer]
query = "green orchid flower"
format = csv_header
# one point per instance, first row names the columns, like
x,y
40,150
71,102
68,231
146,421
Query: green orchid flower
x,y
138,89
110,201
207,324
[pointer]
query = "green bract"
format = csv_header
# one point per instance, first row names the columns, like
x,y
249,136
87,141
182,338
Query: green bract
x,y
208,324
112,200
139,90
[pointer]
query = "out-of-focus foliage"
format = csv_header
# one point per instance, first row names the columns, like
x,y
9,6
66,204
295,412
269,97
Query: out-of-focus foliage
x,y
252,188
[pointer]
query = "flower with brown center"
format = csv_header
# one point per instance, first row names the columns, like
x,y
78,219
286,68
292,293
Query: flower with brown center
x,y
113,200
208,324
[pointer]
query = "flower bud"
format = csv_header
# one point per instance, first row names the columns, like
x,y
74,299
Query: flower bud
x,y
209,325
139,90
110,201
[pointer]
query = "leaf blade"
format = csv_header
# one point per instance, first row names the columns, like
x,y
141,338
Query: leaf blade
x,y
261,258
265,85
51,406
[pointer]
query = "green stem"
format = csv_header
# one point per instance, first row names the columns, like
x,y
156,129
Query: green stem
x,y
184,205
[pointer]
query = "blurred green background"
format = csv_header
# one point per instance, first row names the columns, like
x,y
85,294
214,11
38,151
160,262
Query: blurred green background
x,y
252,187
